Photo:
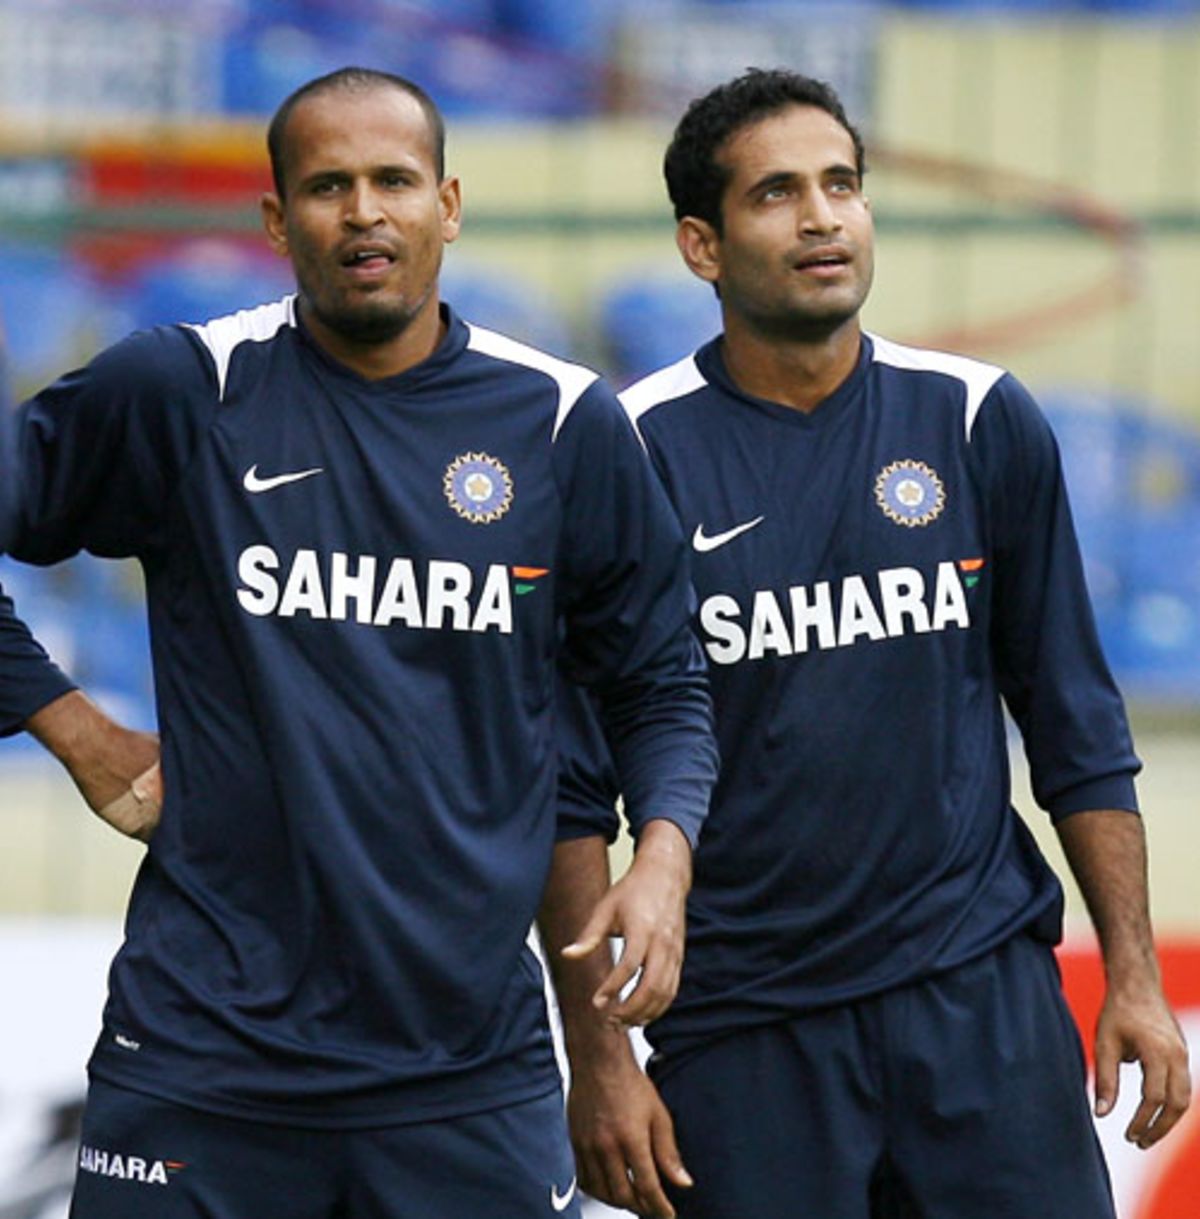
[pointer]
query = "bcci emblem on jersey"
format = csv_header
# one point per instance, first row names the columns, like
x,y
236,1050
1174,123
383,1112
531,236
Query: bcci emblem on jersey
x,y
910,493
479,488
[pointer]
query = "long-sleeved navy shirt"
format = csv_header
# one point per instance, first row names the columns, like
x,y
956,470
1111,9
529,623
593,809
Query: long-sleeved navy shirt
x,y
358,594
876,579
29,679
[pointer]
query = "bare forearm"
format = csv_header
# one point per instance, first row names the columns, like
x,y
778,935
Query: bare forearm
x,y
579,878
114,768
76,731
1107,853
1106,850
623,1137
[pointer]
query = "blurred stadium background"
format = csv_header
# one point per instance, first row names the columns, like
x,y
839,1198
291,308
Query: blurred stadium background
x,y
1035,174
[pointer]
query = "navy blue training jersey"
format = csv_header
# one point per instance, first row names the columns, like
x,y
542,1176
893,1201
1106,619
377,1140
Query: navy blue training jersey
x,y
873,579
357,591
29,679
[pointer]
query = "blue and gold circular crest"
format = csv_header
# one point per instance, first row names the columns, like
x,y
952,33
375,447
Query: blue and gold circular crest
x,y
479,488
910,493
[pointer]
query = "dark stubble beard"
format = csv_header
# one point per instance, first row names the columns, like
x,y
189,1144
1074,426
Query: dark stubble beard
x,y
808,325
369,323
795,325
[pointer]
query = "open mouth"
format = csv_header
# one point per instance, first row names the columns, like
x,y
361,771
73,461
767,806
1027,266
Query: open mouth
x,y
831,261
368,258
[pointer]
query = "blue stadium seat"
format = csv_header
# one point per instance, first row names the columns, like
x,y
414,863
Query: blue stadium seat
x,y
515,307
1134,481
1057,7
1159,648
52,311
89,614
202,280
652,320
450,49
580,29
278,47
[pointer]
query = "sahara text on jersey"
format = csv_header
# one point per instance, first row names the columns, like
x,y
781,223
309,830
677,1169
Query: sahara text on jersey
x,y
838,617
438,594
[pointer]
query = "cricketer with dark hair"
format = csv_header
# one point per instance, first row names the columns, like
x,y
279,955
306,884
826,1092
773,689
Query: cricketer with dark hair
x,y
870,1020
371,532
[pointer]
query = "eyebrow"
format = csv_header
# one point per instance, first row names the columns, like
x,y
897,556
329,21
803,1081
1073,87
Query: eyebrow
x,y
768,181
784,177
346,175
324,175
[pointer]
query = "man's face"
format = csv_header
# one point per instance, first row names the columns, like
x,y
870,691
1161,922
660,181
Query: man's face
x,y
364,218
796,255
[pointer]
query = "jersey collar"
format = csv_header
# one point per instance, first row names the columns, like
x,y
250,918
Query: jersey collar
x,y
453,343
711,362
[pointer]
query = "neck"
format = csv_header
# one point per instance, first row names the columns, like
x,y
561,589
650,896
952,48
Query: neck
x,y
377,359
796,372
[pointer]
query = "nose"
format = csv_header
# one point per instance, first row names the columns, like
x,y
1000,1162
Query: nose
x,y
362,207
817,214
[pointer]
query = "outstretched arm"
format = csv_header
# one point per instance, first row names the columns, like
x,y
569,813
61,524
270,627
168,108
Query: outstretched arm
x,y
623,1137
1106,850
114,768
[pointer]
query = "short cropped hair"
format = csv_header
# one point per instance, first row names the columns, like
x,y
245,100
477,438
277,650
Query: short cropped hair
x,y
696,180
352,80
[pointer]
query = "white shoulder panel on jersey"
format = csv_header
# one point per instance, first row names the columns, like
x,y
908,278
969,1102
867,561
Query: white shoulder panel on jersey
x,y
977,376
572,379
223,334
675,381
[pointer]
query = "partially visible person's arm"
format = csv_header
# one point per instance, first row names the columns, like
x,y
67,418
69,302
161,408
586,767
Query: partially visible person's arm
x,y
622,1133
626,605
1106,850
1055,680
115,768
94,463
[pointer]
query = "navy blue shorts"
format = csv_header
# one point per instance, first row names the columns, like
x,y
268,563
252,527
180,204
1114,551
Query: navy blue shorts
x,y
144,1157
961,1097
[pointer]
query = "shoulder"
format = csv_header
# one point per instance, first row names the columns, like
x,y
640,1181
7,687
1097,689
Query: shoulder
x,y
222,338
669,384
1002,425
146,368
568,383
974,383
175,356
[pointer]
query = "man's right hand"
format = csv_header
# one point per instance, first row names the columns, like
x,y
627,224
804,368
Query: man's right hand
x,y
647,908
115,768
136,811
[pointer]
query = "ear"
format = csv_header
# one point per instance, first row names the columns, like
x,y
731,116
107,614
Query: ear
x,y
450,203
700,245
274,222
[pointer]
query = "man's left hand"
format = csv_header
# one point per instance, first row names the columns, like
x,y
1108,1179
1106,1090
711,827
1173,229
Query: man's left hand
x,y
1141,1028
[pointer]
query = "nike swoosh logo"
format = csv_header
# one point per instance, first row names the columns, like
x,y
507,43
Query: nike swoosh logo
x,y
704,543
254,484
560,1202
